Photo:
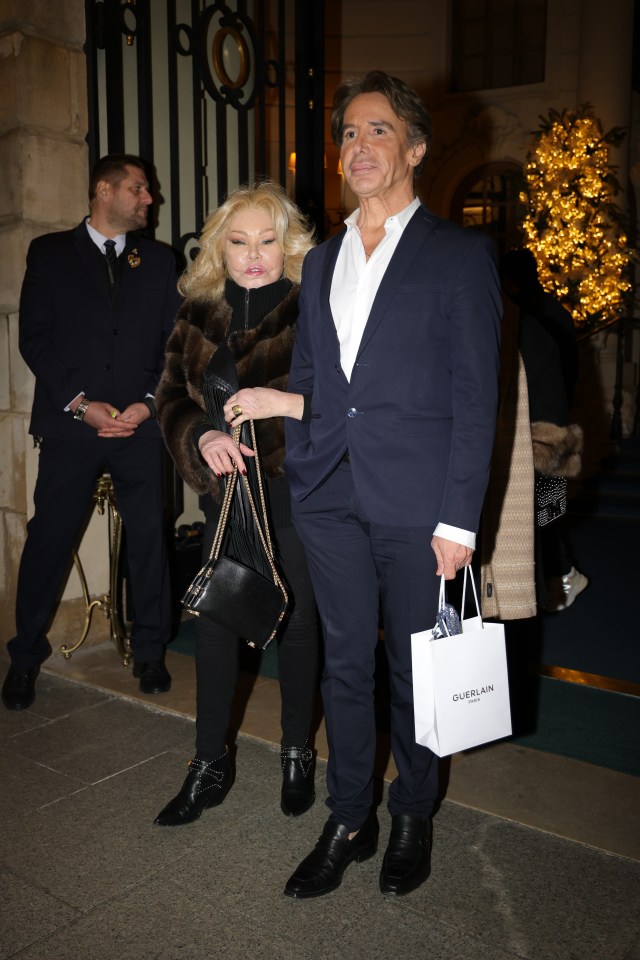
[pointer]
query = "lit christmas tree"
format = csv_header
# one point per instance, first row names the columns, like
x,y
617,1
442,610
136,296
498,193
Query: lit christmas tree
x,y
573,225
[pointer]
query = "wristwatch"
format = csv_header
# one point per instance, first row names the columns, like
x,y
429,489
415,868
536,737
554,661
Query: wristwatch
x,y
81,409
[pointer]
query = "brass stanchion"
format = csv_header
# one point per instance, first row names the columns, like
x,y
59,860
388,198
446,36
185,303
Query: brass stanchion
x,y
110,603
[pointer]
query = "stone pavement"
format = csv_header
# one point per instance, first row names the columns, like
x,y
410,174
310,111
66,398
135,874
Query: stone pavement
x,y
85,873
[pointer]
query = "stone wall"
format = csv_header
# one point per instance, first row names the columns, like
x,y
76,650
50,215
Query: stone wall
x,y
43,156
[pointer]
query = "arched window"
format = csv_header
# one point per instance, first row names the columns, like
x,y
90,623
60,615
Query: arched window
x,y
487,200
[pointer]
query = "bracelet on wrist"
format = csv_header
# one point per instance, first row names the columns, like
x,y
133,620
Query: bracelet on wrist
x,y
81,409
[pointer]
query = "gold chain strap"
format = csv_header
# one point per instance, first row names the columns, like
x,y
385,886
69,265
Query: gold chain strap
x,y
226,504
263,528
265,536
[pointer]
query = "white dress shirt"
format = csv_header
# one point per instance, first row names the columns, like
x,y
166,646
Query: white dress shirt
x,y
353,289
99,239
356,280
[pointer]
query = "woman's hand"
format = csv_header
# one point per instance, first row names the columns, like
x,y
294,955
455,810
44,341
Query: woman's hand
x,y
221,454
260,403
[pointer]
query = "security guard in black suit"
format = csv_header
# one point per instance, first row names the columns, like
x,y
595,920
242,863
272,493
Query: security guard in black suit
x,y
97,305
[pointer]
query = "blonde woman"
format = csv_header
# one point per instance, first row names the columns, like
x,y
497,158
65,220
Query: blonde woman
x,y
241,299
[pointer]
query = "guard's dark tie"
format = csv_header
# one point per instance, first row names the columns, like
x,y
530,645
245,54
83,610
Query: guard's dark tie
x,y
112,258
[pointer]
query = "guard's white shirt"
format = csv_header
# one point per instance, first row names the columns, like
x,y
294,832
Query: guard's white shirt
x,y
99,239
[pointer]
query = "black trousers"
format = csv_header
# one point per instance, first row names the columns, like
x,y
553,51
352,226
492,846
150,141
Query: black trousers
x,y
355,566
67,474
217,651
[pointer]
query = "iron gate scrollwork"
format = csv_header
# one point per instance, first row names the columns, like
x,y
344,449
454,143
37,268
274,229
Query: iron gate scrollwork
x,y
206,94
211,95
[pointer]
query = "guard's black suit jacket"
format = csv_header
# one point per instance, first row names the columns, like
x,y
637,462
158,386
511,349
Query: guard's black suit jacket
x,y
79,335
74,340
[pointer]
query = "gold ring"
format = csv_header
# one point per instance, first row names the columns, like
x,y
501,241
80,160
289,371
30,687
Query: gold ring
x,y
114,413
236,410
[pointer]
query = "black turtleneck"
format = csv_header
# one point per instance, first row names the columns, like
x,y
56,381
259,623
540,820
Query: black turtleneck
x,y
251,305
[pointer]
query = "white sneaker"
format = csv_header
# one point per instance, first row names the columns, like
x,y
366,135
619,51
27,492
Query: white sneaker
x,y
562,591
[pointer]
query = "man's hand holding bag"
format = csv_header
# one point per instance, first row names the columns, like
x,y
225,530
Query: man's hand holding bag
x,y
460,683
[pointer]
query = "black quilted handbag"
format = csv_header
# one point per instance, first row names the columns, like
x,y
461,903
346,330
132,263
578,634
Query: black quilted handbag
x,y
232,594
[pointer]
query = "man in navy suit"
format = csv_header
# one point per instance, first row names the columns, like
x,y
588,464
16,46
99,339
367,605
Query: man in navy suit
x,y
396,358
97,305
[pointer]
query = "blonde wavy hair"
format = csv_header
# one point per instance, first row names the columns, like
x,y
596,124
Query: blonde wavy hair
x,y
205,278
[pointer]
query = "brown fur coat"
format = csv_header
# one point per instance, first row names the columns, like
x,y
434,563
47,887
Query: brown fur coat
x,y
262,356
557,451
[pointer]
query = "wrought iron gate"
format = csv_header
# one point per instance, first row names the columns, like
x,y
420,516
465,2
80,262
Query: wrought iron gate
x,y
211,95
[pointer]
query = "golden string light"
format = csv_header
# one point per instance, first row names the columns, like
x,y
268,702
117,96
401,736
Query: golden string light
x,y
572,222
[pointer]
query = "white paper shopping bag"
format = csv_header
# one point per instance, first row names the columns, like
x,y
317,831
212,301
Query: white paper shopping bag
x,y
460,685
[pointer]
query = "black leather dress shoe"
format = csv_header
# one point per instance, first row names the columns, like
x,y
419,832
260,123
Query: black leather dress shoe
x,y
407,861
154,676
19,688
321,872
298,787
206,785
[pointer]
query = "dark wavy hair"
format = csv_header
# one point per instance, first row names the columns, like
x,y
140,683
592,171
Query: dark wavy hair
x,y
405,103
113,169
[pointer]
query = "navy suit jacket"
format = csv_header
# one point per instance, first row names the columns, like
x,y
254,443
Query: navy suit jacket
x,y
74,340
418,414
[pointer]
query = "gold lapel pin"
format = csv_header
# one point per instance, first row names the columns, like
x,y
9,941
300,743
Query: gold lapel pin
x,y
134,259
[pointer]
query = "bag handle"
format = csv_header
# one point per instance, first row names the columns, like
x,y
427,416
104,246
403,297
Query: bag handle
x,y
441,594
262,527
265,535
467,570
226,504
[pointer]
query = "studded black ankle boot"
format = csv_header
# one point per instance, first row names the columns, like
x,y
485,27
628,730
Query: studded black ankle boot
x,y
206,785
298,787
